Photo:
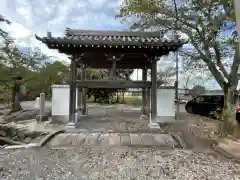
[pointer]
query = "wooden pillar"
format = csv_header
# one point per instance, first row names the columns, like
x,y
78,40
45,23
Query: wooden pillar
x,y
148,101
152,122
144,93
79,101
72,94
84,92
113,70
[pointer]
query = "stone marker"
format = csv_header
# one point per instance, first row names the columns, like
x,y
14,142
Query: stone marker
x,y
42,117
37,104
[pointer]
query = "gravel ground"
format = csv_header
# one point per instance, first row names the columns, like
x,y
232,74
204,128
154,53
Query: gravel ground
x,y
115,163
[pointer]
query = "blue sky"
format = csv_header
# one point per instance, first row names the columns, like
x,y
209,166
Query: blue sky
x,y
30,17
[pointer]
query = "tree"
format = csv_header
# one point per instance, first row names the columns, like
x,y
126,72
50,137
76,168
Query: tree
x,y
4,34
123,74
165,76
201,22
49,73
20,68
197,90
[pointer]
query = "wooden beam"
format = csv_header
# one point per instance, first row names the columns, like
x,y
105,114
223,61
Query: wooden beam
x,y
112,84
159,51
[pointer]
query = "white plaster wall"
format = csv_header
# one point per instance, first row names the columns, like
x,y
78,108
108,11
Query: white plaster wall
x,y
60,100
166,102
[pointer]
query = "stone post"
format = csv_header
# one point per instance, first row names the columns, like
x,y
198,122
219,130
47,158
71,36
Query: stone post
x,y
42,104
42,116
72,95
152,119
37,104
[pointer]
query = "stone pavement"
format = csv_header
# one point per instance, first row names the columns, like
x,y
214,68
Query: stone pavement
x,y
229,148
112,139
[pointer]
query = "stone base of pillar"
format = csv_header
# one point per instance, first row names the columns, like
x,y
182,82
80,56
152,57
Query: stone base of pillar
x,y
41,118
144,116
70,125
154,125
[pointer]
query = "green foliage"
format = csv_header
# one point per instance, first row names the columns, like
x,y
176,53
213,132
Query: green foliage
x,y
50,73
103,95
131,100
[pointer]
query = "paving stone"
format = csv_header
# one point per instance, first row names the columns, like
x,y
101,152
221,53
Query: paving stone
x,y
91,139
169,140
159,139
120,127
54,141
103,140
64,139
98,130
78,139
125,139
114,139
148,139
135,139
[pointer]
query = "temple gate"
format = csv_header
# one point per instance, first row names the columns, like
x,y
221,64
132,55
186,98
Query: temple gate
x,y
111,50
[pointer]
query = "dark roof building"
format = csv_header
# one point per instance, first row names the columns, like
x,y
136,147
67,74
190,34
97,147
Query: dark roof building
x,y
133,48
115,50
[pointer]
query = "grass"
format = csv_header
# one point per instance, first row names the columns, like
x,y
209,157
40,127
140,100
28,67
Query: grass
x,y
127,100
131,100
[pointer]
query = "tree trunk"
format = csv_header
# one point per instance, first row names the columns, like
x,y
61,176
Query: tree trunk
x,y
229,123
16,106
123,97
117,100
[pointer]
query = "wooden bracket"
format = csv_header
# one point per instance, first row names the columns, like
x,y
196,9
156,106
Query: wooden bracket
x,y
153,59
114,58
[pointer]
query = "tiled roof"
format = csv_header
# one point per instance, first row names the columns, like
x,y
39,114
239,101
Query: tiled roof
x,y
110,38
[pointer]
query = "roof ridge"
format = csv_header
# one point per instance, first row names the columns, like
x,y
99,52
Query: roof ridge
x,y
85,32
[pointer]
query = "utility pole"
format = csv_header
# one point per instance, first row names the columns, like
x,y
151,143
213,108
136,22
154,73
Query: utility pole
x,y
236,6
175,36
237,14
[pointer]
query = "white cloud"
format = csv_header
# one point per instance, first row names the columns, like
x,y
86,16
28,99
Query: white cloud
x,y
18,31
31,17
25,12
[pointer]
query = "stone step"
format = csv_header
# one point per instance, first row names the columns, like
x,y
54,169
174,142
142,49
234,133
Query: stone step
x,y
112,139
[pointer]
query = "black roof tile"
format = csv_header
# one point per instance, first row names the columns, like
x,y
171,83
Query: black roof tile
x,y
114,38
